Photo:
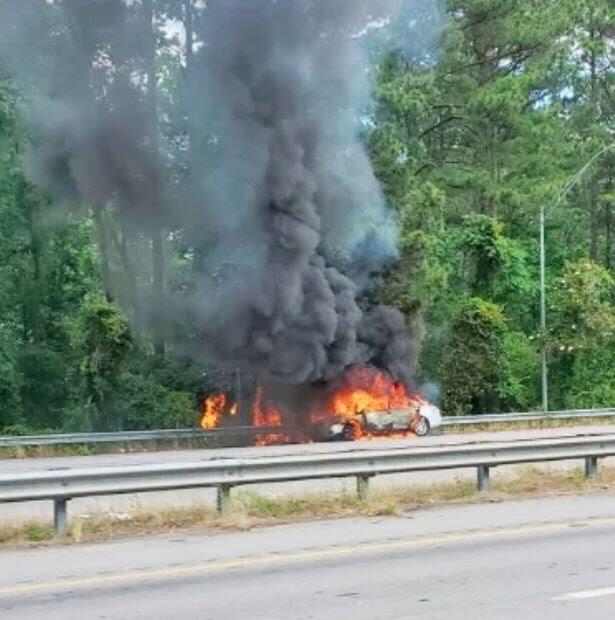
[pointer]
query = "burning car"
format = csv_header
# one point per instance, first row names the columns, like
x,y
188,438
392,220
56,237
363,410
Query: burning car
x,y
363,403
418,420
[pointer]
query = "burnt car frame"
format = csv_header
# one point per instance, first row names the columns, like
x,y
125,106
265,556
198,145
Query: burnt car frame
x,y
419,420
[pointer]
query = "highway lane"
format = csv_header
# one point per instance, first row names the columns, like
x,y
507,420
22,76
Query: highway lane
x,y
119,504
552,558
178,456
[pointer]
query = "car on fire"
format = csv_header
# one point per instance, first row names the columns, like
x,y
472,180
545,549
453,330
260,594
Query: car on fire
x,y
420,420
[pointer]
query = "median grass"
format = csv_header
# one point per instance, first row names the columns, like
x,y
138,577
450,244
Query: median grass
x,y
250,510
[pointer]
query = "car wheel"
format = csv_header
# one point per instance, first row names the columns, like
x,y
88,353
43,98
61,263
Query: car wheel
x,y
352,431
421,426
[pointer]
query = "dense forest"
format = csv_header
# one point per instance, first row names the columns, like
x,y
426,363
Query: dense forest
x,y
482,112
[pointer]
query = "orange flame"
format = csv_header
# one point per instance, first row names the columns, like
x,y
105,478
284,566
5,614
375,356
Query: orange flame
x,y
360,390
366,389
213,408
264,414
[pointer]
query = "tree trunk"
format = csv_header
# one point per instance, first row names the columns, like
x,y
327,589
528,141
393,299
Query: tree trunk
x,y
157,233
32,300
608,258
189,76
198,247
103,245
593,188
609,253
593,219
120,240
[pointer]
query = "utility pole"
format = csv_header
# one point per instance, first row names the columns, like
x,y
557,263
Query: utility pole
x,y
543,315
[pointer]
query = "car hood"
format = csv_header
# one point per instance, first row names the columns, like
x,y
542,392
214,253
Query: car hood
x,y
432,413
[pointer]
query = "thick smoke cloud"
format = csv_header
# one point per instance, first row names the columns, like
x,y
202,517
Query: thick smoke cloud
x,y
90,127
281,193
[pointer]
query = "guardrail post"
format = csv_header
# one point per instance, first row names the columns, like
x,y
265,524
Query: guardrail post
x,y
60,516
591,466
483,481
363,487
223,499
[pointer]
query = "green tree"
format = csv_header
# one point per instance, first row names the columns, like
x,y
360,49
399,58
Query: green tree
x,y
582,335
478,120
472,361
101,340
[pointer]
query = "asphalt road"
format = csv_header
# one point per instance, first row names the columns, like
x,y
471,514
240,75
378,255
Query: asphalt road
x,y
178,456
122,504
534,559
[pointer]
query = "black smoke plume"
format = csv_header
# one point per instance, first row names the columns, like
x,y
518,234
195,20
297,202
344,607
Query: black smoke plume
x,y
278,210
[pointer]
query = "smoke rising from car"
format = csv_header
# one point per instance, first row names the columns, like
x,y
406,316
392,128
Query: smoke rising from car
x,y
265,185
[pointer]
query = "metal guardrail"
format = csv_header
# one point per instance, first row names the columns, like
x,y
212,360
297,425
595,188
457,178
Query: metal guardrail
x,y
502,418
63,485
7,441
65,439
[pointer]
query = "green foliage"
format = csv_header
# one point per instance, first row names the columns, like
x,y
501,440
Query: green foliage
x,y
117,384
37,533
518,386
592,381
582,306
11,379
471,364
468,148
101,340
152,405
468,143
482,240
582,337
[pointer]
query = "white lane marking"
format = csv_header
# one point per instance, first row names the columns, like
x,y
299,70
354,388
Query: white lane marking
x,y
584,594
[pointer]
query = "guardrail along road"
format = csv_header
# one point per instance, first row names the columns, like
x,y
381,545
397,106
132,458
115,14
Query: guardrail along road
x,y
247,432
224,474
